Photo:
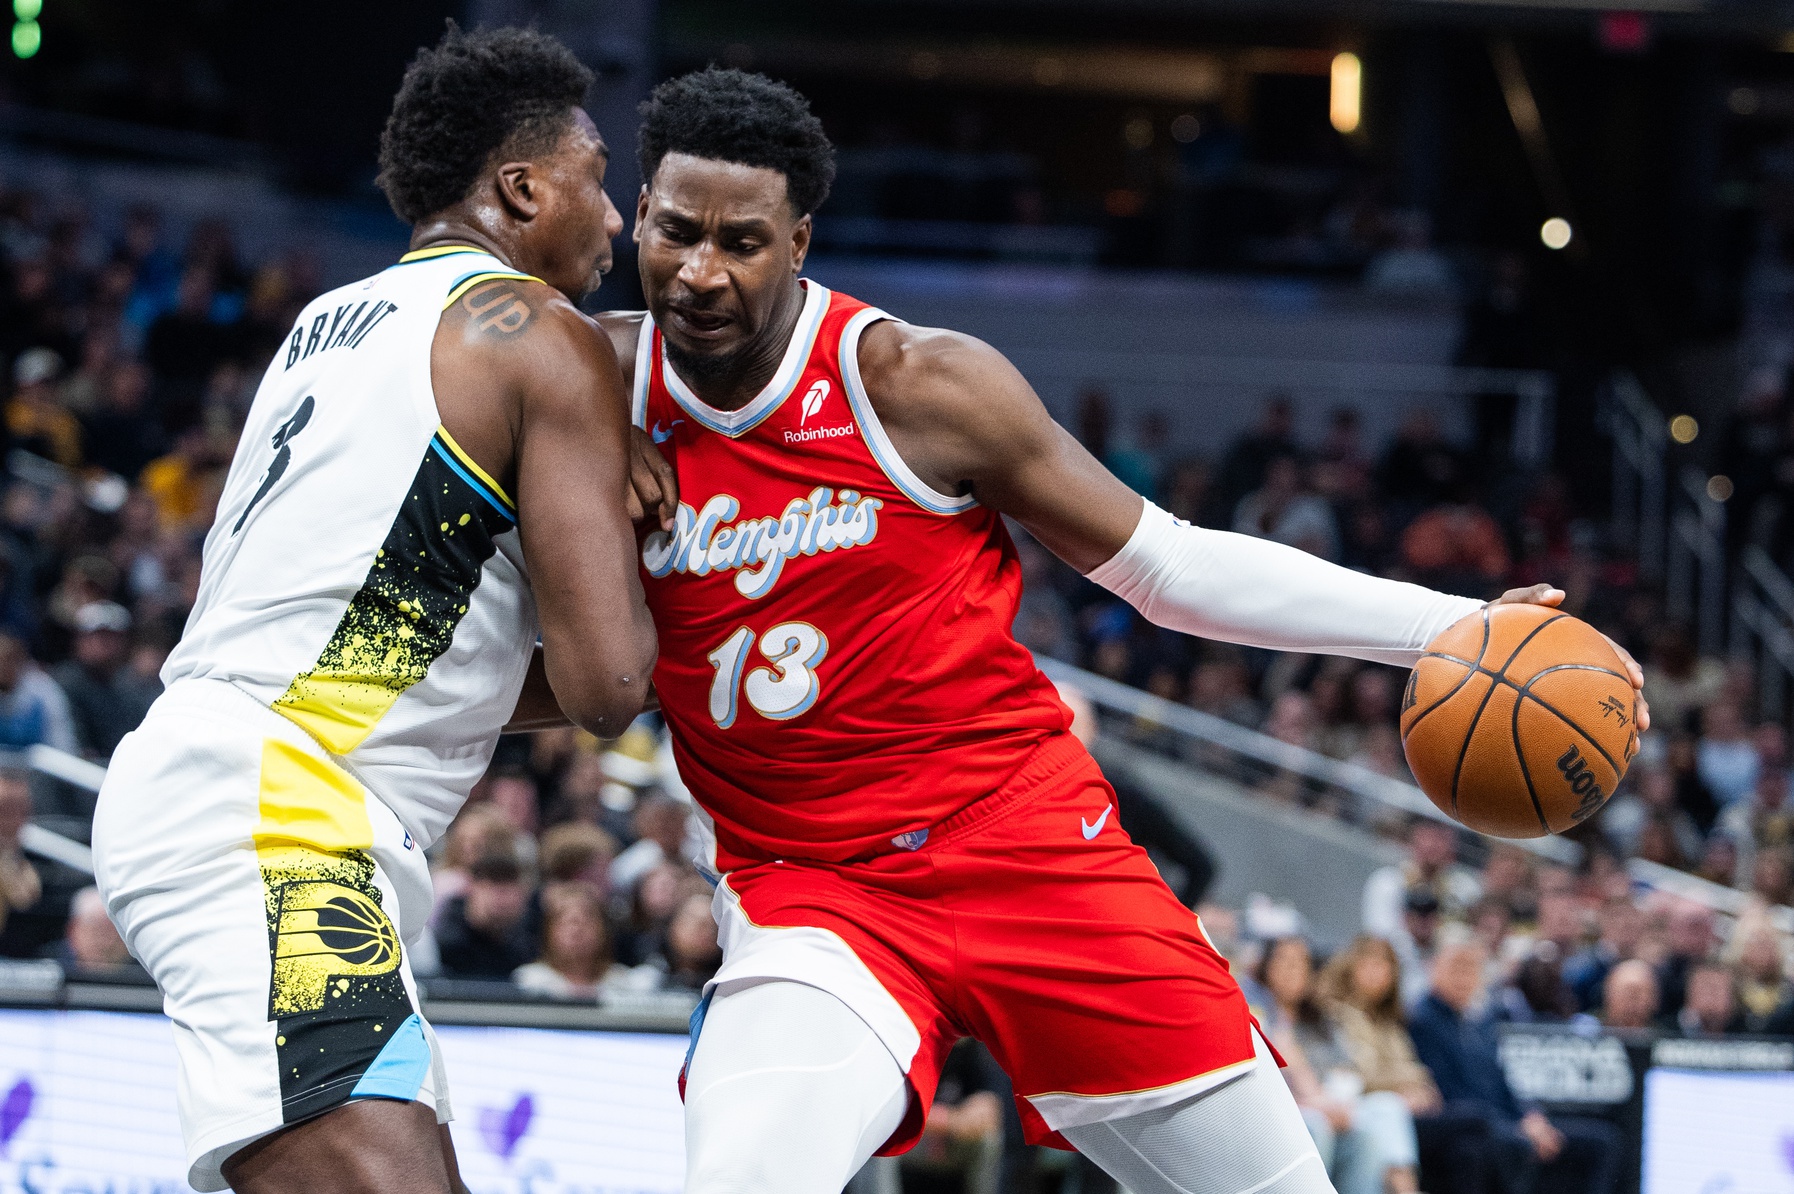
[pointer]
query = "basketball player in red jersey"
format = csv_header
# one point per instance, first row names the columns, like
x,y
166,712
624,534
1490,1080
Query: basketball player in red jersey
x,y
911,846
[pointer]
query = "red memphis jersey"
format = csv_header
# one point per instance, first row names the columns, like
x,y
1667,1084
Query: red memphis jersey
x,y
836,661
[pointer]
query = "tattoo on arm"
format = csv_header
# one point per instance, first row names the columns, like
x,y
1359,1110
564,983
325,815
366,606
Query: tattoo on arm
x,y
496,307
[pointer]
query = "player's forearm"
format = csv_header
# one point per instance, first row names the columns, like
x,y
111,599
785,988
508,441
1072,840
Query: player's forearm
x,y
1238,589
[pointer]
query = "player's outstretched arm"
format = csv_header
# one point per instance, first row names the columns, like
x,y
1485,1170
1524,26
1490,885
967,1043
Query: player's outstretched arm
x,y
964,419
539,394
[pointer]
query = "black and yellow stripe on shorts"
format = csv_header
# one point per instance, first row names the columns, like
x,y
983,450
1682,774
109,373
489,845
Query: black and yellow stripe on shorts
x,y
415,593
335,992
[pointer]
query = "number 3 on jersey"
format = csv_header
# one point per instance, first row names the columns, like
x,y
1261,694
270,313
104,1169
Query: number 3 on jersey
x,y
778,693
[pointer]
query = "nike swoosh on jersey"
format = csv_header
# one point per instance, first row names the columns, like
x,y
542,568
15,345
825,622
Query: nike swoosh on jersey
x,y
1090,830
660,436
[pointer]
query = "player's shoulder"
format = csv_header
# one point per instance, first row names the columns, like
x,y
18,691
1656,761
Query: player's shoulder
x,y
528,322
624,329
897,358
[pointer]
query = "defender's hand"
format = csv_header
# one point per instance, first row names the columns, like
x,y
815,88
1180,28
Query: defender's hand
x,y
653,489
1542,594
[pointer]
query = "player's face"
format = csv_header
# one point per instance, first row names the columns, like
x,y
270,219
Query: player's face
x,y
720,246
573,230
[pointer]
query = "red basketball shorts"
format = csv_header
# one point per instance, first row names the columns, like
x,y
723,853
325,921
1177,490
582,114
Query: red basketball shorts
x,y
1030,921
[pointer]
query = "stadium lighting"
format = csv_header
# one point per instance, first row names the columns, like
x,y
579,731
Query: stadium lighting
x,y
1343,107
1719,487
1556,232
27,34
1683,429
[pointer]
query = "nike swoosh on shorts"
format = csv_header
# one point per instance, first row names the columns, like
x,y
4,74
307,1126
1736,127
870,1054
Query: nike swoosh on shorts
x,y
1090,830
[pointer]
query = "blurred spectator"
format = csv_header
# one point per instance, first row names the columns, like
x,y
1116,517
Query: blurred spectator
x,y
1710,1002
91,948
1432,868
1244,465
1622,927
691,952
1692,940
484,933
478,831
1649,794
122,434
578,852
1765,992
1366,1137
33,708
1726,757
1765,821
575,961
1461,1049
1629,996
962,1138
1457,547
1420,468
660,826
36,421
185,344
106,698
1282,510
1360,990
20,886
1678,681
177,481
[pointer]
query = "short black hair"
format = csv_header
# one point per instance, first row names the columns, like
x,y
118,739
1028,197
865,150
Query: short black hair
x,y
465,99
733,116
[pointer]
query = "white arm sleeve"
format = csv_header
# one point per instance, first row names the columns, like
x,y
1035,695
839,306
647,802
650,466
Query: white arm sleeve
x,y
1238,589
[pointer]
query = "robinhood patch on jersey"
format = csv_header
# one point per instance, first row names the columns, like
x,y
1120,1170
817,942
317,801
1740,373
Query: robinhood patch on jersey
x,y
756,549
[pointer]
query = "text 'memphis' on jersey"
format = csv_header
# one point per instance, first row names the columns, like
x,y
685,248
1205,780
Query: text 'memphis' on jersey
x,y
836,657
363,577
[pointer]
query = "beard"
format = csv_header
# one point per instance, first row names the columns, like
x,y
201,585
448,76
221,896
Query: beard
x,y
703,368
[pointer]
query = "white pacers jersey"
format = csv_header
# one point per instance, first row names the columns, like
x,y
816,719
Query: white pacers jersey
x,y
363,577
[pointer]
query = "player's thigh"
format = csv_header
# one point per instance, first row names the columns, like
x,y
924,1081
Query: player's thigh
x,y
370,1145
1246,1137
787,1092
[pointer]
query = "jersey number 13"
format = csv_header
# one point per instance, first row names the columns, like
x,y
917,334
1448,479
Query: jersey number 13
x,y
779,692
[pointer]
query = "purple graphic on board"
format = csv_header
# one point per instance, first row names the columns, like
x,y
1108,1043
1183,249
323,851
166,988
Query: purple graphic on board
x,y
501,1130
1788,1150
14,1111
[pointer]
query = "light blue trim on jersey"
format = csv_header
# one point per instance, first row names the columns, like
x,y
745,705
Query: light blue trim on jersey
x,y
479,487
644,370
883,451
736,423
400,1068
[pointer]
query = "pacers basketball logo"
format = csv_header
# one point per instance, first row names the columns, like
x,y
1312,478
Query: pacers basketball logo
x,y
325,931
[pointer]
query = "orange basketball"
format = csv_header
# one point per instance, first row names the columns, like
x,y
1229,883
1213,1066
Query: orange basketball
x,y
1519,721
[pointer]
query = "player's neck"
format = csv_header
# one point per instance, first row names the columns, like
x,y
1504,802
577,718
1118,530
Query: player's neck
x,y
447,230
757,362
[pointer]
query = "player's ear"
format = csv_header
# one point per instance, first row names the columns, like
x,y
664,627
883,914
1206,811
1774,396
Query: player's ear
x,y
519,189
641,214
800,243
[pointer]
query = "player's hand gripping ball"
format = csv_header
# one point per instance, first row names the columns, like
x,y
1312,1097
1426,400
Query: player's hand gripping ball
x,y
1519,720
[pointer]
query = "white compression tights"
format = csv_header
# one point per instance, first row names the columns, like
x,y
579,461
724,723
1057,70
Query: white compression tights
x,y
789,1092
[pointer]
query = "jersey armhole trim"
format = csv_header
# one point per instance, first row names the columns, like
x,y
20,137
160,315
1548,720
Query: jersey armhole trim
x,y
458,459
883,451
644,371
467,282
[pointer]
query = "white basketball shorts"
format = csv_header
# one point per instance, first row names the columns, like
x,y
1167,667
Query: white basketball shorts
x,y
270,896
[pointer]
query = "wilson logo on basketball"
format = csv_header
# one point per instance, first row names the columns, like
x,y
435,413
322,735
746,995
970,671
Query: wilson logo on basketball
x,y
1582,782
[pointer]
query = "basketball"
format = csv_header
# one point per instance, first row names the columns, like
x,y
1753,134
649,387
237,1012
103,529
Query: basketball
x,y
1519,721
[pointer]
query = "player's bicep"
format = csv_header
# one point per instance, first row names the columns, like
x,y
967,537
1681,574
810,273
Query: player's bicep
x,y
1024,464
573,484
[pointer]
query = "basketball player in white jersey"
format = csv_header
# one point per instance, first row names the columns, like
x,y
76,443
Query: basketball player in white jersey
x,y
383,562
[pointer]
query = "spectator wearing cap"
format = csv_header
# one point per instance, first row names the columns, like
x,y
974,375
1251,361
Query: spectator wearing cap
x,y
20,885
33,709
35,420
108,699
484,933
